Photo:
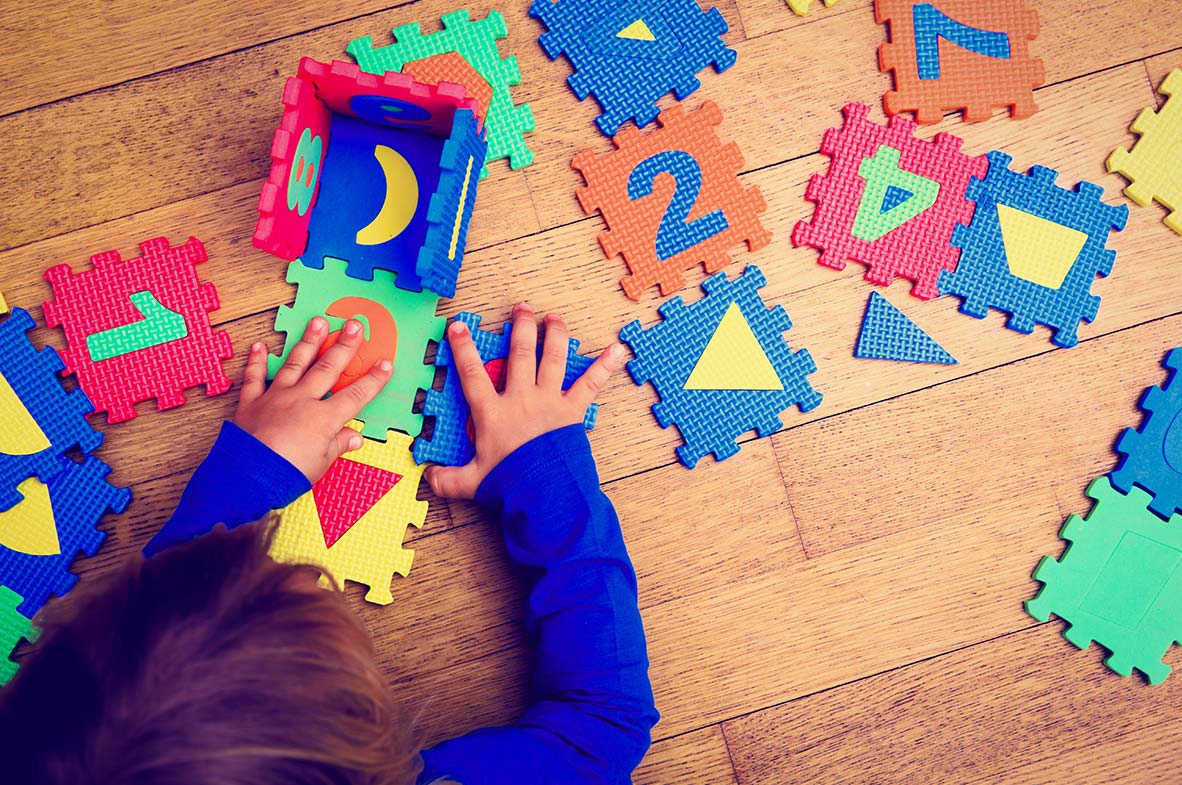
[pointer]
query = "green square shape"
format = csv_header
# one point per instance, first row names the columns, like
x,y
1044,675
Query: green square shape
x,y
413,313
1131,581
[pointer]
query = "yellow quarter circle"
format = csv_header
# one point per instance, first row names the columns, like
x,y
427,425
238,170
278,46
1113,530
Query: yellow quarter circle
x,y
637,31
733,359
1038,250
29,527
20,435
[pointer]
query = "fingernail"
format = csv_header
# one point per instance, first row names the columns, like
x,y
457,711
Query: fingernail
x,y
385,366
458,328
352,327
256,347
317,324
524,306
355,443
614,353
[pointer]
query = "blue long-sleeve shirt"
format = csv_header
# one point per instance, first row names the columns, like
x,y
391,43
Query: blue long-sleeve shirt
x,y
592,705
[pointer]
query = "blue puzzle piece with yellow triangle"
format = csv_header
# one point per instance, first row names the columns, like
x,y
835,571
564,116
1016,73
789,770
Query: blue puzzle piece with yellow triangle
x,y
41,420
721,366
629,54
888,334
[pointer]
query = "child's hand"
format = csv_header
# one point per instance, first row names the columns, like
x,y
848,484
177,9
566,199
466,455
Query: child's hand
x,y
532,404
291,416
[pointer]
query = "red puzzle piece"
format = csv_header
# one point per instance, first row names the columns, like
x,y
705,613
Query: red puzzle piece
x,y
152,362
346,492
917,249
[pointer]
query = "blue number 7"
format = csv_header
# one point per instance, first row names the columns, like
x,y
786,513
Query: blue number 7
x,y
931,25
675,234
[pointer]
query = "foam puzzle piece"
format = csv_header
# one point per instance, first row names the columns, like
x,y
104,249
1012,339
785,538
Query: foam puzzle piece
x,y
1118,583
14,627
1154,165
1152,454
41,421
477,43
100,299
909,236
628,54
56,520
671,199
400,325
452,67
667,353
959,54
450,443
1033,249
801,7
3,304
889,334
369,551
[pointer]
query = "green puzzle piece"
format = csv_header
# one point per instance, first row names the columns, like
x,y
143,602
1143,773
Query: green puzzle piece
x,y
411,314
884,177
1119,582
13,627
158,326
476,42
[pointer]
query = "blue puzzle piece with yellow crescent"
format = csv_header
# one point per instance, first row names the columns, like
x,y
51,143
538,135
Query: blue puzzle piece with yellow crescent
x,y
629,54
41,420
721,366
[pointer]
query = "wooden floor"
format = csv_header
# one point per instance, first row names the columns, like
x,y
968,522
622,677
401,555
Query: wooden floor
x,y
841,602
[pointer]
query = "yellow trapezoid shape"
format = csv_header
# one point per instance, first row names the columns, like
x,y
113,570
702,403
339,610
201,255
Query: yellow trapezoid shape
x,y
1038,250
21,435
733,359
29,527
637,31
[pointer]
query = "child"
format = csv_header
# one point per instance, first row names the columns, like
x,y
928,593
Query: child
x,y
209,663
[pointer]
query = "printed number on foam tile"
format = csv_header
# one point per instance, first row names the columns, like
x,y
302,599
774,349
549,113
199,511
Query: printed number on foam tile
x,y
671,199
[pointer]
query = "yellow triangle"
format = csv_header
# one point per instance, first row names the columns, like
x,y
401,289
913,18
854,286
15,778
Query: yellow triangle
x,y
1038,250
29,527
21,435
637,31
733,359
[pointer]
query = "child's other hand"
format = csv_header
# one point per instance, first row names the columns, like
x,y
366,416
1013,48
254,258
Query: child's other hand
x,y
292,417
532,404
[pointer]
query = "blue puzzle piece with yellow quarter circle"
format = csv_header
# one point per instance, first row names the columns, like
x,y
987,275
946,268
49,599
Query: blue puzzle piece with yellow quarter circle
x,y
721,366
629,54
888,334
450,443
1153,453
55,520
40,419
1033,249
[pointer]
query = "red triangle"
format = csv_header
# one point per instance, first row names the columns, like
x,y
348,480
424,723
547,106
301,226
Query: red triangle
x,y
347,491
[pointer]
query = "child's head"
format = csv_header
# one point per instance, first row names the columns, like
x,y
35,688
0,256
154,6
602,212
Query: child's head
x,y
208,663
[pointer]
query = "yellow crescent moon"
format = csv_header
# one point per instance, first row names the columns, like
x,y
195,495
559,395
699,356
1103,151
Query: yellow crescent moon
x,y
402,197
29,526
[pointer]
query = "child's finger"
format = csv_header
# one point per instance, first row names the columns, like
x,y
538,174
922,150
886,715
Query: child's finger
x,y
478,388
453,482
552,368
328,369
348,402
345,441
303,353
588,386
254,377
523,349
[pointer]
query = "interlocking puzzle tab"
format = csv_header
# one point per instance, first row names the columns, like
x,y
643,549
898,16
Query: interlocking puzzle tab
x,y
628,54
139,328
801,7
399,325
671,198
477,43
377,170
54,521
14,627
1153,454
353,521
721,366
41,421
888,334
1154,165
889,201
1118,583
959,54
1033,249
451,438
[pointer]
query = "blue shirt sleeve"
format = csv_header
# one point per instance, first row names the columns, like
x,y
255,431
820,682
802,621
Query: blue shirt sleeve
x,y
240,481
592,705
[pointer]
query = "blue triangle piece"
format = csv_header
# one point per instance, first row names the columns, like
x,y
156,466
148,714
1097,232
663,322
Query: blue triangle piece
x,y
894,197
887,334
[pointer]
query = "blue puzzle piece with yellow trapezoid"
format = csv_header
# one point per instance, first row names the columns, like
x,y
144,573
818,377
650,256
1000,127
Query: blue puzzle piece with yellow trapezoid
x,y
888,334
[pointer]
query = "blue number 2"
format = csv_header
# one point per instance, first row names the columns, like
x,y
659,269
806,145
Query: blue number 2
x,y
675,233
931,25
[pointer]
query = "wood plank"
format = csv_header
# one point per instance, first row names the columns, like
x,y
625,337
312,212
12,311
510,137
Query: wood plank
x,y
969,716
763,17
1157,68
698,758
